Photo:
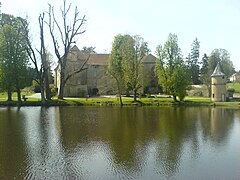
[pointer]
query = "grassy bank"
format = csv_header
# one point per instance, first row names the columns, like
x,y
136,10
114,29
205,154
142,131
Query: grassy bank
x,y
235,86
114,101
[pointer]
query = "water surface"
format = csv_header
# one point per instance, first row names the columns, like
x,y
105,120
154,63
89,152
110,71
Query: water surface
x,y
119,143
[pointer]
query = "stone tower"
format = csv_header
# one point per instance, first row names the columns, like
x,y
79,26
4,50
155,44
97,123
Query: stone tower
x,y
218,85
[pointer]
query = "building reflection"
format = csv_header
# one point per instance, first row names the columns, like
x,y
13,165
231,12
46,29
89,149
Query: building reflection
x,y
216,124
70,142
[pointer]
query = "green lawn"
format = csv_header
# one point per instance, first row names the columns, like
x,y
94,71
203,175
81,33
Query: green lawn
x,y
163,100
235,86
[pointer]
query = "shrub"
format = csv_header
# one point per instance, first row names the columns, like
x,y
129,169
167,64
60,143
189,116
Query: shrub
x,y
37,89
53,90
231,90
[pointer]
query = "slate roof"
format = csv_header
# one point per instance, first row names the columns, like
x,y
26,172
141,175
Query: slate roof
x,y
217,71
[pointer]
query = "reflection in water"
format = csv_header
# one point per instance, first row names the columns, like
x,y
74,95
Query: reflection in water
x,y
12,145
119,143
44,144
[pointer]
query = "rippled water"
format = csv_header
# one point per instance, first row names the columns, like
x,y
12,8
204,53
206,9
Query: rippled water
x,y
119,143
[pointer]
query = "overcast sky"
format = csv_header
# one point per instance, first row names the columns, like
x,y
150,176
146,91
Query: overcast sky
x,y
216,23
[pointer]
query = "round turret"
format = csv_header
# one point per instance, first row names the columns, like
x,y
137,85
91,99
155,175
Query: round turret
x,y
218,85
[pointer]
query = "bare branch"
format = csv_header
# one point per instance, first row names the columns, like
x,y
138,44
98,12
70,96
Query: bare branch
x,y
51,29
79,70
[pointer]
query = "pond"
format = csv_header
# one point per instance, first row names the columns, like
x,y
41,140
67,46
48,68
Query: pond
x,y
119,143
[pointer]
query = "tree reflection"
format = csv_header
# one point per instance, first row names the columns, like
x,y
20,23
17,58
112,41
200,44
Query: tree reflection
x,y
130,131
12,146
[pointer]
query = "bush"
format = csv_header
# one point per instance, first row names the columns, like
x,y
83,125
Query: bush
x,y
53,90
37,89
231,90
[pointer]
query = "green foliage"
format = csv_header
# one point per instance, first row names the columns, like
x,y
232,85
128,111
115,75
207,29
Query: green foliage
x,y
35,83
204,62
222,56
135,50
125,63
193,63
235,86
232,90
180,81
13,55
53,90
88,50
170,68
115,66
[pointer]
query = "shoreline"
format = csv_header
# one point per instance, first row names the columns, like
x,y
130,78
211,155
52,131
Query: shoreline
x,y
112,102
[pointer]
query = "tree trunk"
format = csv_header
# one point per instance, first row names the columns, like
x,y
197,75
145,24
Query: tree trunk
x,y
209,91
119,92
61,88
18,90
42,94
19,95
135,95
47,88
174,98
9,95
120,99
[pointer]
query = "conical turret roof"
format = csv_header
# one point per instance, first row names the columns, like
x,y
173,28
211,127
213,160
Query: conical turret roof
x,y
217,71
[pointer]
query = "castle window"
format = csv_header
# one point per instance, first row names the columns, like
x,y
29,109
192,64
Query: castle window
x,y
223,77
213,95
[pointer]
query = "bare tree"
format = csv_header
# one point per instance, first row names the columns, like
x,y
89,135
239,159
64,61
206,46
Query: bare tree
x,y
43,55
68,33
33,57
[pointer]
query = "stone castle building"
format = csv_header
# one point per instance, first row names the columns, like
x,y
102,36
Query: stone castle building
x,y
95,80
218,85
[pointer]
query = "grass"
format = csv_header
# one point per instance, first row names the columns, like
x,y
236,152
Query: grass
x,y
163,100
3,95
235,86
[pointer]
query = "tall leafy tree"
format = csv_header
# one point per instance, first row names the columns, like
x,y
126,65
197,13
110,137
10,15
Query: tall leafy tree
x,y
171,69
134,51
13,59
115,66
222,56
193,61
205,73
6,64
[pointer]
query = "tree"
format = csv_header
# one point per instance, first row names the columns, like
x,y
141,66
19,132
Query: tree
x,y
205,74
6,60
33,55
193,63
67,33
171,69
222,56
115,66
134,50
14,59
43,55
88,50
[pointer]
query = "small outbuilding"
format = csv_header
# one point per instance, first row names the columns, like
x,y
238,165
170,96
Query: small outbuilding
x,y
218,85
